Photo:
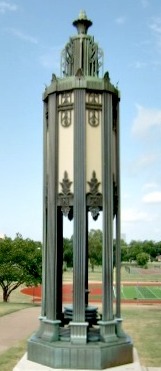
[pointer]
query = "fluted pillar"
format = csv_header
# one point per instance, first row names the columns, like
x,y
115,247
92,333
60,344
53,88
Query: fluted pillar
x,y
118,221
120,332
107,325
44,247
78,325
51,324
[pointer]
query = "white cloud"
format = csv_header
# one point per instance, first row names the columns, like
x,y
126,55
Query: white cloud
x,y
150,185
142,163
132,215
6,6
120,20
22,36
144,3
146,118
146,160
152,197
155,26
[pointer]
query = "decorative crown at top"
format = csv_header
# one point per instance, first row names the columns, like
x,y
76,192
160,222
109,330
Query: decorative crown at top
x,y
82,23
81,56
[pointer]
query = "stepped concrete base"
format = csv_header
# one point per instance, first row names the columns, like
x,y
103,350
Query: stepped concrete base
x,y
26,365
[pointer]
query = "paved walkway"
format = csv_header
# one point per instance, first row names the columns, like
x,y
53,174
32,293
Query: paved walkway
x,y
17,326
20,325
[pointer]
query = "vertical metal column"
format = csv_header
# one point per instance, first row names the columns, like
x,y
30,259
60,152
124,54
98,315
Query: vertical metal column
x,y
120,331
44,245
45,159
118,232
107,325
78,325
86,263
60,262
51,324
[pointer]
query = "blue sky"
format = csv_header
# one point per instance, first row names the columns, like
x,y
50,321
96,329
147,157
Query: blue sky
x,y
32,35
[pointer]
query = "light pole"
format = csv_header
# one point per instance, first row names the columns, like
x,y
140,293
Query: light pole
x,y
81,175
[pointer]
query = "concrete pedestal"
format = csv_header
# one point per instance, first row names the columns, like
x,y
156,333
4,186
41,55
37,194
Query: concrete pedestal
x,y
25,365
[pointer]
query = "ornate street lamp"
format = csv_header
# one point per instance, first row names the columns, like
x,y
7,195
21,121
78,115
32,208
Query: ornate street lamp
x,y
81,176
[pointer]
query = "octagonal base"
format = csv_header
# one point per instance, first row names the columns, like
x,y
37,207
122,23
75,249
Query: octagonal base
x,y
88,356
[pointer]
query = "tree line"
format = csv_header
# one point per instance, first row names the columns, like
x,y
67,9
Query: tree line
x,y
21,259
139,251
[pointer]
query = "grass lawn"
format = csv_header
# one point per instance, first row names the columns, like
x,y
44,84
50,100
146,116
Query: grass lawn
x,y
141,275
142,323
141,292
136,275
17,297
7,308
10,358
17,301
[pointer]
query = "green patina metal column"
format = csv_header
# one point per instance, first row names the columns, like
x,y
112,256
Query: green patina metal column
x,y
79,325
108,322
51,324
81,176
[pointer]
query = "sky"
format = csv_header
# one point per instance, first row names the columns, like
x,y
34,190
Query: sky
x,y
32,36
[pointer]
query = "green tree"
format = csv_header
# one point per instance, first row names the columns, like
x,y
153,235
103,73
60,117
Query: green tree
x,y
95,247
135,248
157,248
142,259
21,263
150,248
68,251
124,251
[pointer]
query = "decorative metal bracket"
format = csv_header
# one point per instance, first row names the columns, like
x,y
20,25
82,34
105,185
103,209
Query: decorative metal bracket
x,y
94,197
66,195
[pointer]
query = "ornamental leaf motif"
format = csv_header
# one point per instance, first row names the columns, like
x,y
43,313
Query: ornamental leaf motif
x,y
94,184
66,184
94,196
65,196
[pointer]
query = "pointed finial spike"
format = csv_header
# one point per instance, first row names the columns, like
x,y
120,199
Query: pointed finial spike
x,y
82,14
82,23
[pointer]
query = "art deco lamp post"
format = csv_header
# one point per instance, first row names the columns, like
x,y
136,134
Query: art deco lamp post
x,y
81,176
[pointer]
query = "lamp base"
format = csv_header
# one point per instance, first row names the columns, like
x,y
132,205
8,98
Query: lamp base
x,y
25,365
92,356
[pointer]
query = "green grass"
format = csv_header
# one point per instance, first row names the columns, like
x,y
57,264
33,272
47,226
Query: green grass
x,y
141,292
143,325
17,297
134,276
10,358
128,292
7,308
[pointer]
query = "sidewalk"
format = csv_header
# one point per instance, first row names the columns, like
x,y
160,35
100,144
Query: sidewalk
x,y
17,326
20,325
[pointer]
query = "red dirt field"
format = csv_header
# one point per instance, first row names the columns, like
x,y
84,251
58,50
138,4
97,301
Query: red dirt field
x,y
95,294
